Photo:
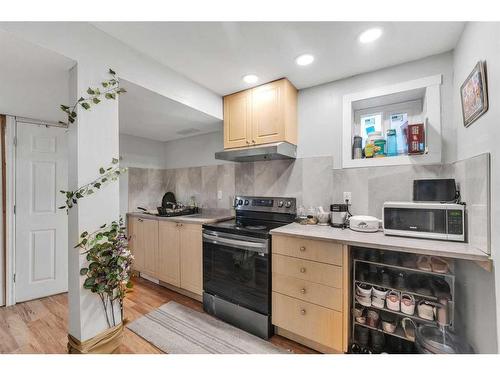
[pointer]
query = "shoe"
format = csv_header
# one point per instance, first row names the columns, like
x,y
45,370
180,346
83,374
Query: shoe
x,y
439,265
407,304
420,284
424,263
361,334
440,288
426,310
378,341
409,260
409,328
378,297
385,277
398,281
372,318
393,300
407,347
390,257
355,349
389,322
394,344
364,295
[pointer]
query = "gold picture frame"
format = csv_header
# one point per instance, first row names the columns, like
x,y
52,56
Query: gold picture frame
x,y
474,94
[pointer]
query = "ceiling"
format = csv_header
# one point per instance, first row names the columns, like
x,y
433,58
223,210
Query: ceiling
x,y
218,54
144,113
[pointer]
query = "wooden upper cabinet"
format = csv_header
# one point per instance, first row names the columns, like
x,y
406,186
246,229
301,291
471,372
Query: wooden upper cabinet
x,y
237,119
264,114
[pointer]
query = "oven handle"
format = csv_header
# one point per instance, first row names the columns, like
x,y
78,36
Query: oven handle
x,y
252,246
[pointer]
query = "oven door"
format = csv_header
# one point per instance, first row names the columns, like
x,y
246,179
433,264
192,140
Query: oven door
x,y
237,269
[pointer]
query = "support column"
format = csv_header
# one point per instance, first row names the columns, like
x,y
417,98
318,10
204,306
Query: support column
x,y
93,143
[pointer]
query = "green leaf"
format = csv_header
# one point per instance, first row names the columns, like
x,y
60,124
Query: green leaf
x,y
115,161
71,120
97,185
84,234
102,170
130,284
81,99
96,100
104,84
108,96
64,107
104,180
79,195
61,207
112,72
85,105
83,271
73,114
89,283
90,91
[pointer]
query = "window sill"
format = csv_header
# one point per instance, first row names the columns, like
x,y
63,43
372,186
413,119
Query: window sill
x,y
394,160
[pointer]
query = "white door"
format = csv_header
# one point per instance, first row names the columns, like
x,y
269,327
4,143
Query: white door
x,y
41,228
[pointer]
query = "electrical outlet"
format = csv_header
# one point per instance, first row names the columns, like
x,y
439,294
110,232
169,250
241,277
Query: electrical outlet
x,y
347,196
219,195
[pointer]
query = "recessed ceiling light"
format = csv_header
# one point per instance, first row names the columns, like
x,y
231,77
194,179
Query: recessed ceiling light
x,y
370,35
250,78
305,59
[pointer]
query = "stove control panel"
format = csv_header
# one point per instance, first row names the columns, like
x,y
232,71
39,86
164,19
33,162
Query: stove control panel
x,y
268,204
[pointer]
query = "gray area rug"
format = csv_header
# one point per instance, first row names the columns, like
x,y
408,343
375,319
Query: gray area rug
x,y
177,329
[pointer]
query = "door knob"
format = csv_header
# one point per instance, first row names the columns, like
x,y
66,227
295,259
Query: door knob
x,y
302,270
302,248
303,291
303,311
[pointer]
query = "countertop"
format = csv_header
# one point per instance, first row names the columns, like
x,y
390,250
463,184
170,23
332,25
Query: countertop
x,y
378,240
206,216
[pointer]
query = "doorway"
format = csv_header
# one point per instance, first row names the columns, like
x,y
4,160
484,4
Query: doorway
x,y
41,229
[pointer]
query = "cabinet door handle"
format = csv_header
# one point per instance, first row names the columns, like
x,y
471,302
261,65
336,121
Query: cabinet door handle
x,y
303,311
253,141
302,248
303,291
141,220
248,142
302,270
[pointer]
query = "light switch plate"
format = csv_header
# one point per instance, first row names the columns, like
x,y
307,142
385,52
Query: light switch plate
x,y
219,195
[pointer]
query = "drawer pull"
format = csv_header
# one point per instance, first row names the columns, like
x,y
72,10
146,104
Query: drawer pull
x,y
302,270
140,220
302,248
303,291
303,311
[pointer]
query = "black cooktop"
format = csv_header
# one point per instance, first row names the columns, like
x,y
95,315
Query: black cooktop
x,y
250,228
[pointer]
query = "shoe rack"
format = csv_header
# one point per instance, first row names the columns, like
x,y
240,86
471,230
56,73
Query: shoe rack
x,y
370,262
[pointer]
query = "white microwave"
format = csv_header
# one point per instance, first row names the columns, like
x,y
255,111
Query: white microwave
x,y
432,220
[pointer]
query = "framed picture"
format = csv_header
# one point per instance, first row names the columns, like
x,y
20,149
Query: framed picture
x,y
474,94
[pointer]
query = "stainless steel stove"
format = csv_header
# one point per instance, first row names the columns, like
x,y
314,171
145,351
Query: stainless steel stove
x,y
237,262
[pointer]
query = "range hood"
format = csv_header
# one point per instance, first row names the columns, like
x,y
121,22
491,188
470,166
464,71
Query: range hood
x,y
271,151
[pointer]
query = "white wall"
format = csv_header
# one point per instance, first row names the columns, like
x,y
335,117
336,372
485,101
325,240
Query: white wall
x,y
33,81
140,153
320,107
195,151
480,41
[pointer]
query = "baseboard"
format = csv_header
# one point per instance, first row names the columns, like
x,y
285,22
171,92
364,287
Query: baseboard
x,y
306,342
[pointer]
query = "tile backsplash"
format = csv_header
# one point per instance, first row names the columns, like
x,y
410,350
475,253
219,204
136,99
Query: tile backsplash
x,y
314,182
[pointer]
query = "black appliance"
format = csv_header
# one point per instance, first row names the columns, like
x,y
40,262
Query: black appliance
x,y
237,262
435,190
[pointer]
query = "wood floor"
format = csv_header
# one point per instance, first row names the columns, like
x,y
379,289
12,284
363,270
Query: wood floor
x,y
40,326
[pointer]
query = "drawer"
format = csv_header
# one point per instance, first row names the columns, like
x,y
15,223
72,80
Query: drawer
x,y
321,273
308,291
313,322
318,251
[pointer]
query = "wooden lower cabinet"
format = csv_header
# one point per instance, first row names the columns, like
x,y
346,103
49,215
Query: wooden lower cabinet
x,y
310,294
191,258
308,320
143,243
169,253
